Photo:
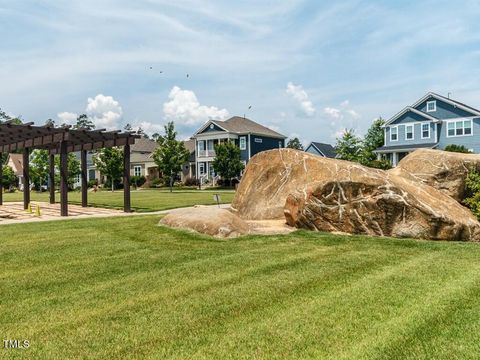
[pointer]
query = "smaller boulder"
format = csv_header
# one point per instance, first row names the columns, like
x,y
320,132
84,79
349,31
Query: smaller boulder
x,y
207,220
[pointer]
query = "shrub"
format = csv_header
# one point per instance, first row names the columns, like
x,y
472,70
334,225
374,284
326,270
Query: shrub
x,y
156,183
92,183
456,148
380,164
138,180
190,181
472,191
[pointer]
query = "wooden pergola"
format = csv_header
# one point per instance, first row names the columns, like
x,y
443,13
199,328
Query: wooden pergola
x,y
63,140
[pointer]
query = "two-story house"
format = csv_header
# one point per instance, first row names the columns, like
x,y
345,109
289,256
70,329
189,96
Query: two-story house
x,y
248,135
434,121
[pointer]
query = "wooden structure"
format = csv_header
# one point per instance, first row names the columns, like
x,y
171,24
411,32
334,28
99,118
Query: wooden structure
x,y
61,141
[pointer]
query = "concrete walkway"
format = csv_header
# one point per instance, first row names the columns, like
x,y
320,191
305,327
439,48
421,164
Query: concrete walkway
x,y
13,212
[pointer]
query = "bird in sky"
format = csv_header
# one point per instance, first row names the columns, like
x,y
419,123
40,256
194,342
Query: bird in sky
x,y
151,68
249,107
188,75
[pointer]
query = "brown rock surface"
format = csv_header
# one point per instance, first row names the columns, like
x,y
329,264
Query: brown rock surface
x,y
445,171
207,220
334,195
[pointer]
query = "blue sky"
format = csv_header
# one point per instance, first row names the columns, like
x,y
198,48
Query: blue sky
x,y
307,68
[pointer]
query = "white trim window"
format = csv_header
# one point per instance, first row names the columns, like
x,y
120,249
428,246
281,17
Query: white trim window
x,y
201,168
431,106
393,133
258,140
408,132
243,143
459,128
425,131
137,170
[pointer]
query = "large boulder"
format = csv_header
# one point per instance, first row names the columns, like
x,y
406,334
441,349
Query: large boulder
x,y
445,171
207,220
324,194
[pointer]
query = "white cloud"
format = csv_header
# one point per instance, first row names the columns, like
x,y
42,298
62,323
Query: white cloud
x,y
105,111
183,107
333,113
67,117
299,94
150,127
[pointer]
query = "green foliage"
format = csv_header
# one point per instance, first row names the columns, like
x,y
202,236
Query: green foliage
x,y
8,179
73,168
295,143
109,161
380,164
472,191
170,155
84,122
349,146
373,139
39,167
456,148
137,180
227,162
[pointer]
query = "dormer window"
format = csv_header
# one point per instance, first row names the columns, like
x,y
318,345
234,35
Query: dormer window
x,y
431,106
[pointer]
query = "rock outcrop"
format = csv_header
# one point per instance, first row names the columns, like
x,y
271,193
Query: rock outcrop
x,y
207,220
333,195
445,171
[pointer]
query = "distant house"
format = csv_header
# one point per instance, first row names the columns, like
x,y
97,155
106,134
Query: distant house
x,y
434,121
248,135
188,169
141,159
322,149
15,161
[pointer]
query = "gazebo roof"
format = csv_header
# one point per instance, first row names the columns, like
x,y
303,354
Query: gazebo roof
x,y
19,136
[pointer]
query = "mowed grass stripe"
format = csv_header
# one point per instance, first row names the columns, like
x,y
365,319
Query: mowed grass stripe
x,y
125,288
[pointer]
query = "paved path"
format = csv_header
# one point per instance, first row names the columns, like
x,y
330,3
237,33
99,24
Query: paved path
x,y
13,213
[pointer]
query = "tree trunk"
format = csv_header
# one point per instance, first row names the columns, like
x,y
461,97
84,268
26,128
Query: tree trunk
x,y
171,183
113,185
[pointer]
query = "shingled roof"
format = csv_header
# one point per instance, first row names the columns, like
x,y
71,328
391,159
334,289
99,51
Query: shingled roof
x,y
241,125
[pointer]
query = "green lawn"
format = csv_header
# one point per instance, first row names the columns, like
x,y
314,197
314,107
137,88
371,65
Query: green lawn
x,y
142,200
124,288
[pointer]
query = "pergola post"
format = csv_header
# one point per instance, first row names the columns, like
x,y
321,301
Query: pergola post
x,y
83,165
26,178
1,178
63,179
51,177
126,178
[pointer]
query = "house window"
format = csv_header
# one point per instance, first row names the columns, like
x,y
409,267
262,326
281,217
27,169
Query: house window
x,y
393,133
201,168
426,131
408,132
243,143
459,128
257,140
137,170
431,106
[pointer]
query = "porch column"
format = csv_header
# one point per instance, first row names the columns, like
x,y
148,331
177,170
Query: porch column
x,y
126,179
379,156
51,177
26,178
83,165
394,158
63,179
1,178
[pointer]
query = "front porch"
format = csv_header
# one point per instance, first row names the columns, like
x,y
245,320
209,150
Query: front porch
x,y
395,154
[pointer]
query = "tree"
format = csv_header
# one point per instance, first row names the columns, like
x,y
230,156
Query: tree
x,y
8,177
39,167
127,127
228,163
349,146
295,143
170,155
156,136
109,161
456,148
84,122
374,138
50,122
73,169
142,133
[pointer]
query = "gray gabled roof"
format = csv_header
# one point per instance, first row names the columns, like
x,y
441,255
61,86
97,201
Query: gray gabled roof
x,y
326,149
144,145
242,125
405,147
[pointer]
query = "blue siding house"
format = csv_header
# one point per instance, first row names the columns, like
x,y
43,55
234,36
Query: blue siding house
x,y
321,149
248,135
432,122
